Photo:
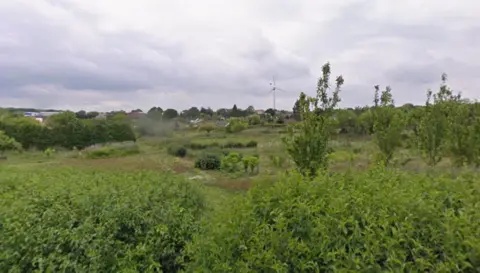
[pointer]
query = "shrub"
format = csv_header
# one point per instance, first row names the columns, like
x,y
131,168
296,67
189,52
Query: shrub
x,y
8,144
230,162
251,144
49,152
177,150
208,162
111,151
207,128
377,221
254,119
85,221
237,145
251,163
236,125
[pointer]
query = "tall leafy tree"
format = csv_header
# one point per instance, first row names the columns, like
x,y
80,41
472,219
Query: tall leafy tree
x,y
170,114
307,141
155,113
388,124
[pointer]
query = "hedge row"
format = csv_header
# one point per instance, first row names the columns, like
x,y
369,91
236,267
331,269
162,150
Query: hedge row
x,y
231,144
66,131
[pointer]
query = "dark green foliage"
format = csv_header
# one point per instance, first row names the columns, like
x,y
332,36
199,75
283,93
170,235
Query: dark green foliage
x,y
251,144
208,162
197,146
231,145
236,145
95,222
177,150
66,130
378,221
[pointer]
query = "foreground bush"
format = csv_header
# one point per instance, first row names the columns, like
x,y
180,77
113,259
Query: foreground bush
x,y
377,221
77,221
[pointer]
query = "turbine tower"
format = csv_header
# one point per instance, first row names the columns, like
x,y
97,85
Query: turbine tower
x,y
274,90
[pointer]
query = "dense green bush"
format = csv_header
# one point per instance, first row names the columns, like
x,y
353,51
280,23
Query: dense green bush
x,y
236,125
76,221
378,221
231,162
208,162
177,150
251,144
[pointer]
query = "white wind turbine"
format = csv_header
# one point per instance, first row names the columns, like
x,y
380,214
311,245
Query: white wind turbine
x,y
274,91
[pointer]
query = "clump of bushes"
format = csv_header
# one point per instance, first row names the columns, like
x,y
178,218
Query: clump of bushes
x,y
208,162
231,144
177,150
112,151
251,144
251,163
376,221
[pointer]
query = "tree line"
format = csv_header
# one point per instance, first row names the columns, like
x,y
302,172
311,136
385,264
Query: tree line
x,y
66,130
447,126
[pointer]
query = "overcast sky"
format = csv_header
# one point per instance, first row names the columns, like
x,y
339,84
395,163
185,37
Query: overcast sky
x,y
125,54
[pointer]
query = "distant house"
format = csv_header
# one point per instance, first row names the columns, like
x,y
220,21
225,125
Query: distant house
x,y
136,115
40,116
260,112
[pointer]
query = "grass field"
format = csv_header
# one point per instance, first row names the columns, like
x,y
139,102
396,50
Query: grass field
x,y
151,188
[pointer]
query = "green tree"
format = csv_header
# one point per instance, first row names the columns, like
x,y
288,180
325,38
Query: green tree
x,y
270,111
170,114
307,141
388,124
191,113
155,113
433,125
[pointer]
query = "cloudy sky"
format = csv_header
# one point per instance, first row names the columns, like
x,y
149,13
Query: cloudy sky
x,y
127,54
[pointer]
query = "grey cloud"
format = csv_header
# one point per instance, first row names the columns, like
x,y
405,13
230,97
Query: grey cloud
x,y
44,58
75,54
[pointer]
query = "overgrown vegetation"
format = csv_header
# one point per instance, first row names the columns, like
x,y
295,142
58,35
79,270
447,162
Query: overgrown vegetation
x,y
92,222
378,221
321,202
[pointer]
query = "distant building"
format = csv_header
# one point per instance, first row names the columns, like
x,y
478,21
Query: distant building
x,y
136,115
40,116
